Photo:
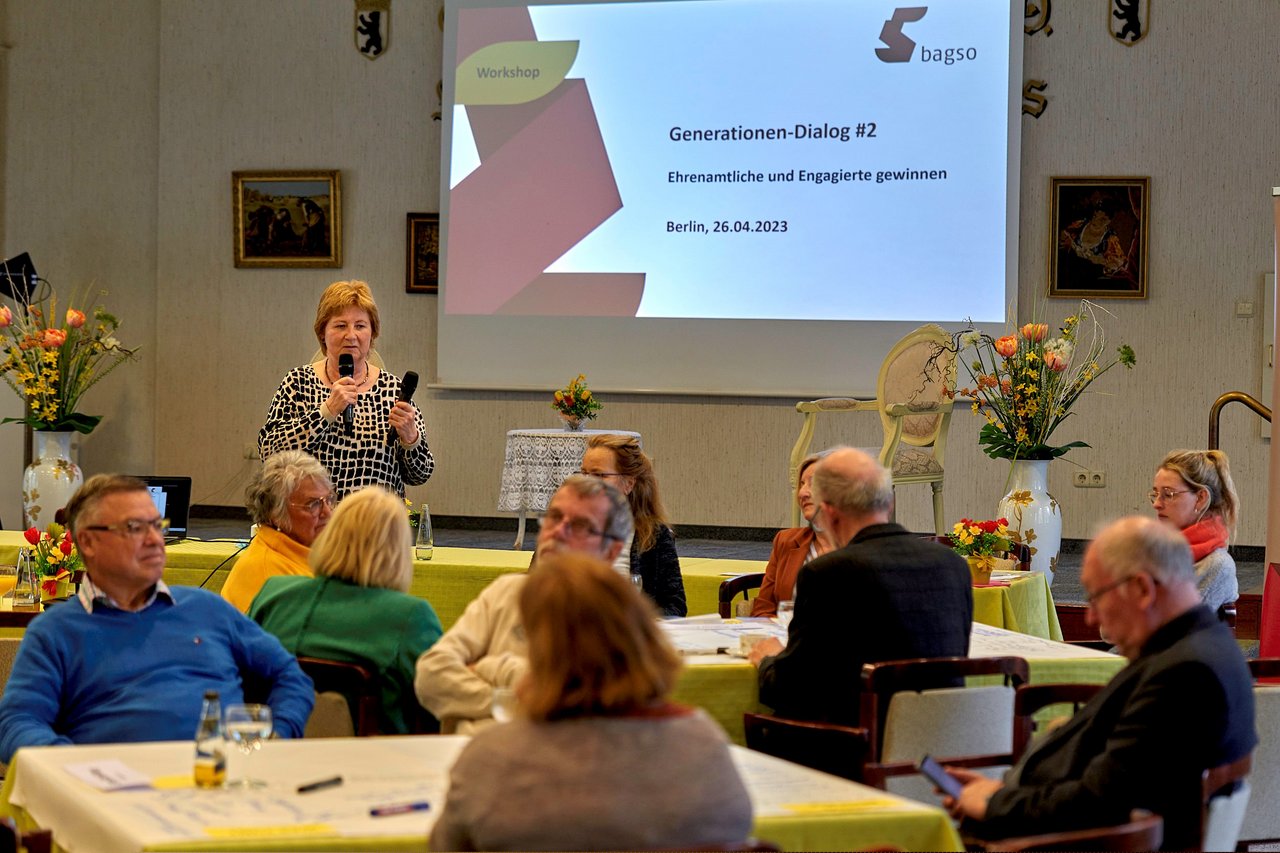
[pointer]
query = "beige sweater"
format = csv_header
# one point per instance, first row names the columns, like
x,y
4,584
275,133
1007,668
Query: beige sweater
x,y
484,649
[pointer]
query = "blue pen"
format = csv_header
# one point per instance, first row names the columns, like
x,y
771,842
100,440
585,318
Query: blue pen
x,y
399,808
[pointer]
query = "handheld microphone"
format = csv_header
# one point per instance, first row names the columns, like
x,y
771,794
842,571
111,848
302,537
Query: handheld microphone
x,y
347,367
407,386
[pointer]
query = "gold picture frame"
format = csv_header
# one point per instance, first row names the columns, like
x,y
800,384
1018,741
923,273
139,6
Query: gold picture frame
x,y
1098,237
422,253
290,218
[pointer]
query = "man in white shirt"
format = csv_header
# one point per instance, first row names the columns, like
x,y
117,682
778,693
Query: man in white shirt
x,y
485,648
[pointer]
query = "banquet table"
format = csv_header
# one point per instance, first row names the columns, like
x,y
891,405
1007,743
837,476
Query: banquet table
x,y
536,462
796,808
725,685
455,576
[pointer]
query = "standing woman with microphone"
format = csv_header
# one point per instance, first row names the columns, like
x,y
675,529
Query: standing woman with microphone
x,y
357,420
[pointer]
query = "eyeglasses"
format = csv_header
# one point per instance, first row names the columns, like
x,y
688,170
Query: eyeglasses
x,y
313,506
1091,598
579,528
1166,495
600,474
134,528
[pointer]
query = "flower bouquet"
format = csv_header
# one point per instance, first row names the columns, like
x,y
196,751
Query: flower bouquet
x,y
1026,383
575,403
55,556
50,360
984,544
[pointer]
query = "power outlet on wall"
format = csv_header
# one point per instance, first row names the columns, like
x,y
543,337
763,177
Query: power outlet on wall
x,y
1086,479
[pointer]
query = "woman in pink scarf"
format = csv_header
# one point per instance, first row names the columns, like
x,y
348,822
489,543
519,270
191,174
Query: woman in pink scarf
x,y
1193,492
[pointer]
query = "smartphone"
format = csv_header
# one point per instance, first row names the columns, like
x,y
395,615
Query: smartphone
x,y
934,772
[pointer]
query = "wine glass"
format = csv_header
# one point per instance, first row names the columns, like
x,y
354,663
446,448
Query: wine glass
x,y
247,726
504,704
786,608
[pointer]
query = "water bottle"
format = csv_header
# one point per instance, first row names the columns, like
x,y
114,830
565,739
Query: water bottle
x,y
423,548
211,755
26,588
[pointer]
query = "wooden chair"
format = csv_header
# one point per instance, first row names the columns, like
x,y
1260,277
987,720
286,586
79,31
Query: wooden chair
x,y
835,749
911,399
1031,698
356,684
1144,831
913,707
1226,797
730,588
13,840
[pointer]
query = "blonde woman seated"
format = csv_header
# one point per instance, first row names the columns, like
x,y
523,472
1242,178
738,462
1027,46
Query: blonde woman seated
x,y
1193,492
793,547
290,500
597,758
357,609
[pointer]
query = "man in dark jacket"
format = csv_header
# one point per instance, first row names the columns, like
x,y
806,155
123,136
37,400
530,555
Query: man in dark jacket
x,y
1184,704
887,594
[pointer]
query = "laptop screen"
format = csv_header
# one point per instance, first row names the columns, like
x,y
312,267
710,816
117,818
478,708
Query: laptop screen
x,y
172,496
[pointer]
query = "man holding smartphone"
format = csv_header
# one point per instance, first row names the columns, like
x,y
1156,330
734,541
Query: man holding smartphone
x,y
1184,704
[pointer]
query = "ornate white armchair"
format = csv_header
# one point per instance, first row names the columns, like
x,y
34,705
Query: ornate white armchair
x,y
914,412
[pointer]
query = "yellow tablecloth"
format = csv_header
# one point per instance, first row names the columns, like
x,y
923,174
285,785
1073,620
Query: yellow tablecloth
x,y
455,576
795,807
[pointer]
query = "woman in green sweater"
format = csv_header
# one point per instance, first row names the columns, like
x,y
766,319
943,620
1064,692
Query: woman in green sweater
x,y
357,608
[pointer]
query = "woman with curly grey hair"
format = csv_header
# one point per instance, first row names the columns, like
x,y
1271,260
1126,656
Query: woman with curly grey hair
x,y
290,500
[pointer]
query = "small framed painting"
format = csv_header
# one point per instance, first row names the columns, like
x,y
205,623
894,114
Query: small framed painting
x,y
287,218
1098,232
422,270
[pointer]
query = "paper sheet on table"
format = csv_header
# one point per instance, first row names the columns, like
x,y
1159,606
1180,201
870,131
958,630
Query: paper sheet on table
x,y
988,641
699,636
109,775
780,788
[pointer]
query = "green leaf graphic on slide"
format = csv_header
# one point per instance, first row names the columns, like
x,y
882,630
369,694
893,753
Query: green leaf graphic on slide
x,y
513,72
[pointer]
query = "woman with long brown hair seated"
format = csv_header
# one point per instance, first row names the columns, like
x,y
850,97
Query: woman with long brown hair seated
x,y
597,757
619,461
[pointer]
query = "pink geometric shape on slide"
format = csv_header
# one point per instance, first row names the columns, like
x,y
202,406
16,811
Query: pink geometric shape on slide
x,y
579,295
529,202
544,183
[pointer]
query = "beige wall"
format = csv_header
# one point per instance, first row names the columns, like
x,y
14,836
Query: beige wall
x,y
124,177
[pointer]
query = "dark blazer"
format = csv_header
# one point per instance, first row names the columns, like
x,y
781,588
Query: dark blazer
x,y
888,594
790,549
1185,705
659,569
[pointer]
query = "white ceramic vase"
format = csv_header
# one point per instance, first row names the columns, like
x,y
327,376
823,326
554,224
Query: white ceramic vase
x,y
1033,514
50,480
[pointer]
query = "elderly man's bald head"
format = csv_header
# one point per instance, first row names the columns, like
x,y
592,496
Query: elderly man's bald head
x,y
853,482
1139,544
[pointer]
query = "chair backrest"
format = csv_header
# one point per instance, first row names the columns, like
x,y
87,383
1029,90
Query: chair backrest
x,y
1144,831
357,684
1265,667
838,750
730,588
32,840
915,707
1262,818
917,370
1032,698
1226,797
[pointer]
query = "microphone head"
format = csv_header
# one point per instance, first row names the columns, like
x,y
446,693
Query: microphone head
x,y
408,385
346,365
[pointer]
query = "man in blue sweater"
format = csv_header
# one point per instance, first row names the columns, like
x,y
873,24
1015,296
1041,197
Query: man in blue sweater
x,y
129,659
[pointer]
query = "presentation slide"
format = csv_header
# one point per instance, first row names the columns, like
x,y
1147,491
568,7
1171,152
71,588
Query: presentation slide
x,y
818,162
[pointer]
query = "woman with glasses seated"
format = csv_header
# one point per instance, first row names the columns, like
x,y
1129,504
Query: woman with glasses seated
x,y
793,547
596,757
290,500
1193,492
357,608
619,461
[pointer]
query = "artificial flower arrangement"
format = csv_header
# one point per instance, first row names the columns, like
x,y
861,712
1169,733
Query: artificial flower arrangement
x,y
575,403
50,360
55,556
1026,383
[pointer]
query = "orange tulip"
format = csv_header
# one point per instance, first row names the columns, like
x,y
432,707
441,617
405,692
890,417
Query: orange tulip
x,y
75,319
1035,332
1007,346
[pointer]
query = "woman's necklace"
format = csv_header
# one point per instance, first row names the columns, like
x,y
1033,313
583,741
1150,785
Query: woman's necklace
x,y
331,380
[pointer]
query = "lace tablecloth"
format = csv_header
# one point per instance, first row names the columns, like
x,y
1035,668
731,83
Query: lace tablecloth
x,y
537,462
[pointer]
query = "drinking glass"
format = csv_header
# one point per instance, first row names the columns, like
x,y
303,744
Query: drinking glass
x,y
504,704
786,608
8,578
247,726
638,580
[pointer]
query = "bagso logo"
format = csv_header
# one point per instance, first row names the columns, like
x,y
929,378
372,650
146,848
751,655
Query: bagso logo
x,y
899,47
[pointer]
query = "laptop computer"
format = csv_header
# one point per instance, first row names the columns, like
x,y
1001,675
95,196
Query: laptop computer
x,y
172,496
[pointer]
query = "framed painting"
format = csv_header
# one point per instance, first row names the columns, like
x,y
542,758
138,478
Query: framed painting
x,y
287,218
1098,245
422,270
